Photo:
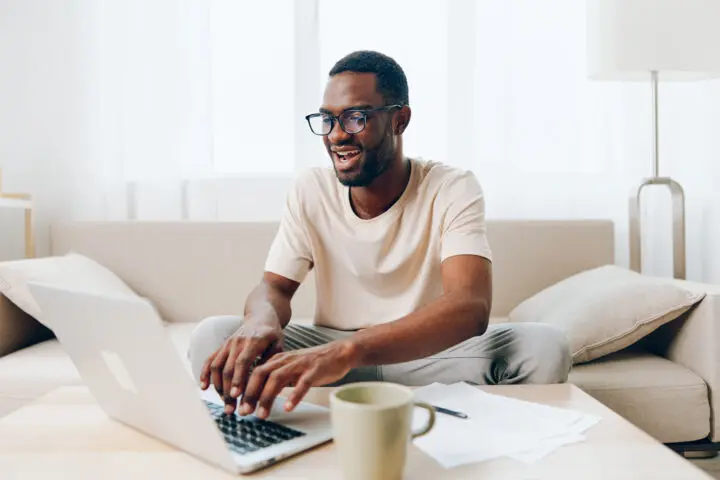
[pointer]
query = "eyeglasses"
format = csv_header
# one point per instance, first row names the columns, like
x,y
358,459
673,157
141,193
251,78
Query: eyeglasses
x,y
351,121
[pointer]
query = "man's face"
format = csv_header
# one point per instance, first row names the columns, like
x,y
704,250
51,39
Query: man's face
x,y
361,157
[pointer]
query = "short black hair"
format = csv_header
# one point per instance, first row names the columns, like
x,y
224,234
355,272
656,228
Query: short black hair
x,y
391,80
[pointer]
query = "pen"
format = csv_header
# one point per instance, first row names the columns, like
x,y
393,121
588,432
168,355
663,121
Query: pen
x,y
449,412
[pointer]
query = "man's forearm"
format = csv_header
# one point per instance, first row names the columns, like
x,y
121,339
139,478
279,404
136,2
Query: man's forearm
x,y
449,320
268,305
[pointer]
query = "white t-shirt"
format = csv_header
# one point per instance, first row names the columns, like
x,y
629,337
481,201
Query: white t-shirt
x,y
369,272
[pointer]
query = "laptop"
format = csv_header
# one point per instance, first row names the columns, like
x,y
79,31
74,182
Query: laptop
x,y
138,377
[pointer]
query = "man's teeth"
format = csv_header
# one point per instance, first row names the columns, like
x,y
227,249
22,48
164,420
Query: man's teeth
x,y
352,152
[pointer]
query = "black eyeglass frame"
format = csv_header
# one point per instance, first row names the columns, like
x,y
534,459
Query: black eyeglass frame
x,y
336,118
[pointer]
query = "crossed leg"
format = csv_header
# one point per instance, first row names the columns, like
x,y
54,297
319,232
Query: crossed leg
x,y
506,353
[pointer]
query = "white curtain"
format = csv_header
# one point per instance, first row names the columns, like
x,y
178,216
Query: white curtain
x,y
194,110
147,106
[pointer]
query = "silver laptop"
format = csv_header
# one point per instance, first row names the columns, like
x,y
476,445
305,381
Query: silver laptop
x,y
138,377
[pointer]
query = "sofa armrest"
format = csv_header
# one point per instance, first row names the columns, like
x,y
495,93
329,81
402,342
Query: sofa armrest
x,y
693,341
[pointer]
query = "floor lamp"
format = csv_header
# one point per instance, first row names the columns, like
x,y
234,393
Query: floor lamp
x,y
654,41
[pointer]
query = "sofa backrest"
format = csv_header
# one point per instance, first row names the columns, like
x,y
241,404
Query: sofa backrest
x,y
191,270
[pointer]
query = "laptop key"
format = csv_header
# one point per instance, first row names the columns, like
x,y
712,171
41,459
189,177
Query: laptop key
x,y
248,434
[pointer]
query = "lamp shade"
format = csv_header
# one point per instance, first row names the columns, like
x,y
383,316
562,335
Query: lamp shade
x,y
628,39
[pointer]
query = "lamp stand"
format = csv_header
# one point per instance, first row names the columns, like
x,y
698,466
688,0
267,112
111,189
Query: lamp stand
x,y
678,203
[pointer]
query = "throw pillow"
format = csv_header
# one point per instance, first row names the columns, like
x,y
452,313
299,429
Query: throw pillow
x,y
20,316
606,309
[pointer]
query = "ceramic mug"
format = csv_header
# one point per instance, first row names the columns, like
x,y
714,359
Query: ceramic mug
x,y
371,424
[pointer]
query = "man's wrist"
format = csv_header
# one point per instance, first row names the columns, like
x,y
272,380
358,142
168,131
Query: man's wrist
x,y
351,352
253,324
266,318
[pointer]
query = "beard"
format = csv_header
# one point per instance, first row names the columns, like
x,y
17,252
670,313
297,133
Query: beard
x,y
369,169
373,163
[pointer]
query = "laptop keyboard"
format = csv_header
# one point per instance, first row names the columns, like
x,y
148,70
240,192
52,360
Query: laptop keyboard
x,y
247,434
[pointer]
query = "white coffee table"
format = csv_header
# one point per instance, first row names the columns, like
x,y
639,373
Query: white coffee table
x,y
65,435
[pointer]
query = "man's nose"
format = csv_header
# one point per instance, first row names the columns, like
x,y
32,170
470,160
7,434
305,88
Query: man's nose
x,y
338,136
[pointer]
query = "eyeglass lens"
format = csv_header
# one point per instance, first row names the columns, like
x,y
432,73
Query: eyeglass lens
x,y
352,122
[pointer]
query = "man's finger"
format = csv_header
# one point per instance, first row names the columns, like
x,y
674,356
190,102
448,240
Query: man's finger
x,y
230,404
216,368
255,386
236,346
301,388
205,371
277,380
244,364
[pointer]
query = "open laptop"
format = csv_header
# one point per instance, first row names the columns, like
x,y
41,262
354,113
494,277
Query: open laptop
x,y
137,376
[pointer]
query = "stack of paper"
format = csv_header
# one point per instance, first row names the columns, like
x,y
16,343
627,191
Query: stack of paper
x,y
497,426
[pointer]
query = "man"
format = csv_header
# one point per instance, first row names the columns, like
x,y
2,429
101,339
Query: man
x,y
402,269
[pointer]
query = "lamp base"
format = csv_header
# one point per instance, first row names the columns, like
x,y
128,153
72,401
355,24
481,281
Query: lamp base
x,y
678,224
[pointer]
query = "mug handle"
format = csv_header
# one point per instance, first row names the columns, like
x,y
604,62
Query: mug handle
x,y
431,420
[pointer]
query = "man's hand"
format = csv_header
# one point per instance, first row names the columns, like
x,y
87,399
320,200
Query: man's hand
x,y
309,367
229,367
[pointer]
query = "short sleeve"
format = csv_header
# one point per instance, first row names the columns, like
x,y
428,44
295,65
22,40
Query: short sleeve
x,y
290,253
464,231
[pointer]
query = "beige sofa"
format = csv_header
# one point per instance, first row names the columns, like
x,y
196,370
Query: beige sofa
x,y
191,270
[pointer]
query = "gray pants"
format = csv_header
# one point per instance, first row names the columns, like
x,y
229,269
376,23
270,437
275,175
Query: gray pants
x,y
505,354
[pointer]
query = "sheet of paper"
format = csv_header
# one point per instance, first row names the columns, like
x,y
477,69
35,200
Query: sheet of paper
x,y
497,426
545,448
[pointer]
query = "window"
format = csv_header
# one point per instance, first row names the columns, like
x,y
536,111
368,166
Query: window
x,y
253,86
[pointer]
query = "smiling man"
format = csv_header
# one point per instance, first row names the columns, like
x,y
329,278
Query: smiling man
x,y
402,269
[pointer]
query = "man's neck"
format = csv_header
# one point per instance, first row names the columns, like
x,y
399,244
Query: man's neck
x,y
371,201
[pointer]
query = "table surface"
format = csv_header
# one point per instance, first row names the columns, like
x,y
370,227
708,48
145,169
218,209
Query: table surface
x,y
65,435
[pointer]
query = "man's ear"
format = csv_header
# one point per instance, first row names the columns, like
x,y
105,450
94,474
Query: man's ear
x,y
402,119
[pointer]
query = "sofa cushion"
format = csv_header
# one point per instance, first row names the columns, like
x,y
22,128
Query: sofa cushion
x,y
606,309
660,397
19,318
32,372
